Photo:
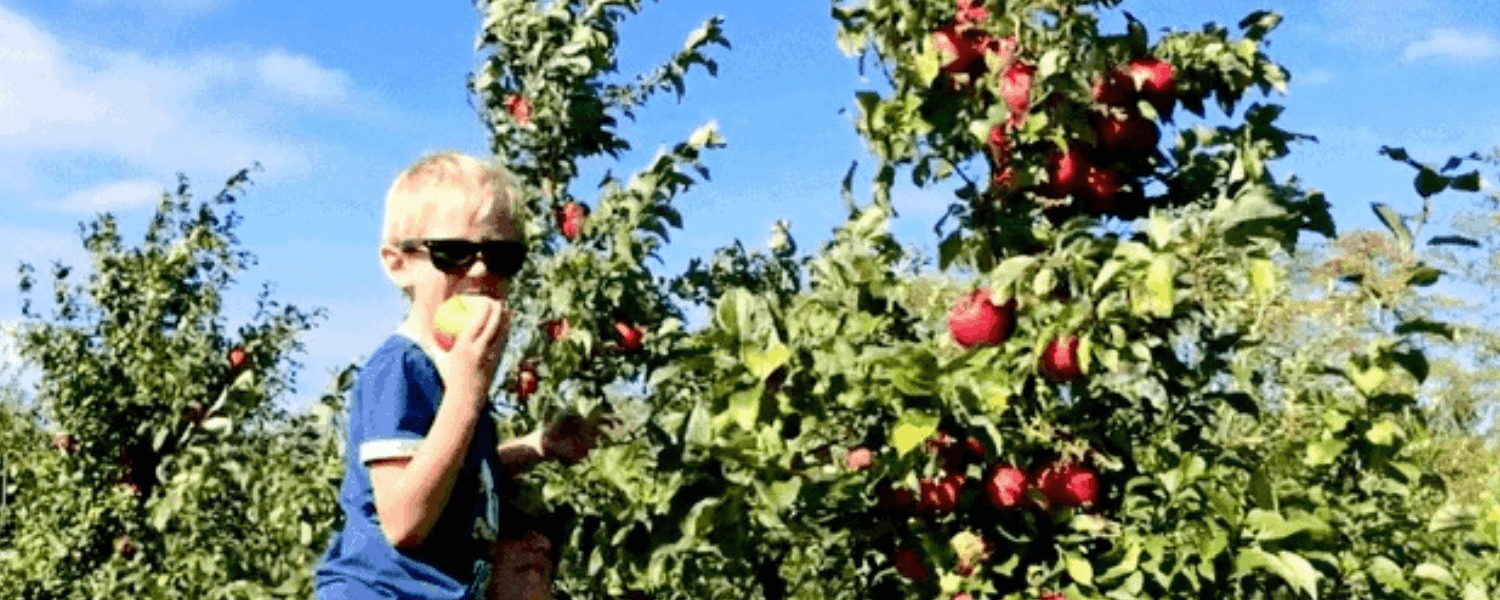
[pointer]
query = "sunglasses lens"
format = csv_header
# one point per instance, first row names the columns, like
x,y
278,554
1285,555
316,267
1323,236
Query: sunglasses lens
x,y
504,258
452,256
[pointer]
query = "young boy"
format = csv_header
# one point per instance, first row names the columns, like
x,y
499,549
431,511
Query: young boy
x,y
420,494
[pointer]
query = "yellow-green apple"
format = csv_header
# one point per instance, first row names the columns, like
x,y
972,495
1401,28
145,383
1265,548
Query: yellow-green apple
x,y
976,321
452,316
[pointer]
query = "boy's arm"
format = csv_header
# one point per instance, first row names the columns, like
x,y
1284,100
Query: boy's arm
x,y
567,440
518,454
411,493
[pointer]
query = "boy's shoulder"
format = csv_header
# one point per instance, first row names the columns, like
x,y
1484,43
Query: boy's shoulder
x,y
399,356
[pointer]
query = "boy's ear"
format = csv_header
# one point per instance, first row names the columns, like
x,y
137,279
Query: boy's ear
x,y
395,264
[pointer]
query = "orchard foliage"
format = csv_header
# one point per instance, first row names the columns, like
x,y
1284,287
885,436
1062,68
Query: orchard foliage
x,y
169,470
824,435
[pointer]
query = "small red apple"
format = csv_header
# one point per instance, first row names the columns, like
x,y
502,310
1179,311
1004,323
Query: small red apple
x,y
1015,90
1155,81
1005,487
909,564
938,497
859,458
975,321
971,13
1059,363
555,328
65,443
1068,484
124,547
518,107
897,499
957,49
1100,187
527,383
997,147
1065,173
632,336
571,218
237,358
1133,133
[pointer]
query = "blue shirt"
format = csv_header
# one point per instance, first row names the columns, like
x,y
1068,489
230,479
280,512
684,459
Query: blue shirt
x,y
395,399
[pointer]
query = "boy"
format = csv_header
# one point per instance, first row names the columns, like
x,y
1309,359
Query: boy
x,y
420,492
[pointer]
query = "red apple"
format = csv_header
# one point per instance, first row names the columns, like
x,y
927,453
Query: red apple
x,y
124,547
961,596
571,218
1015,90
1059,363
1100,187
938,497
859,458
908,563
997,147
631,336
1114,88
518,107
1005,487
898,499
957,49
971,13
65,442
1065,173
555,329
237,359
975,321
1068,484
1133,133
527,383
1155,81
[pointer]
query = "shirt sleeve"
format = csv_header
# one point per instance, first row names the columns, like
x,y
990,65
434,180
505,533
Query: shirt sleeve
x,y
395,411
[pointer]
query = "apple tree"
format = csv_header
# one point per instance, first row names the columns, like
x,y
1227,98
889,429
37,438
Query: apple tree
x,y
1079,401
170,470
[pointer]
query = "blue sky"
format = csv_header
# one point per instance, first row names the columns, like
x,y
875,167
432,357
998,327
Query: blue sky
x,y
102,102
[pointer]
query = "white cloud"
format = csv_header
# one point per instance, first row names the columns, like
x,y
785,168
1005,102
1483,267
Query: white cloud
x,y
66,101
1315,77
116,196
301,78
1453,43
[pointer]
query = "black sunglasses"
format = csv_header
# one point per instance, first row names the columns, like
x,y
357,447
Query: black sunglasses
x,y
454,257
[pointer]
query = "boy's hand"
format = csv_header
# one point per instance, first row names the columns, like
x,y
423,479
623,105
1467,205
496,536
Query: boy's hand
x,y
468,368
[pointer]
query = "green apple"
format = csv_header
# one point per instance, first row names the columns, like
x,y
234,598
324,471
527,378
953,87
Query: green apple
x,y
452,317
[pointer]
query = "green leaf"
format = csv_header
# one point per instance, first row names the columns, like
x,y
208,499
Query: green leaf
x,y
1262,278
1161,282
1366,379
1468,182
1424,276
1393,222
913,427
1386,572
1415,362
1324,452
1434,572
1453,240
1430,182
1298,572
1384,433
744,405
762,364
1453,517
1425,325
1080,569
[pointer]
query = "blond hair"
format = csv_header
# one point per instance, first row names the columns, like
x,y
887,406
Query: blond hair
x,y
487,191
